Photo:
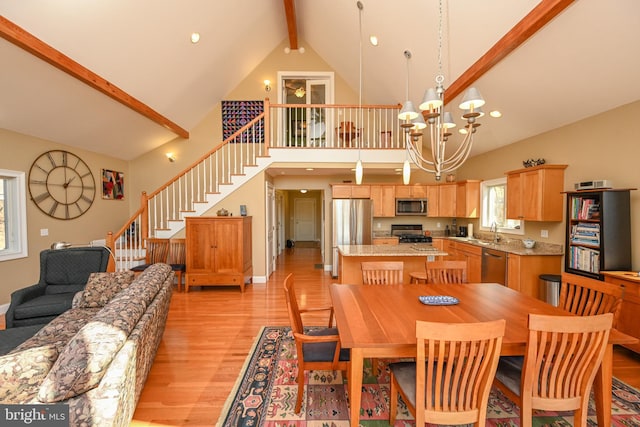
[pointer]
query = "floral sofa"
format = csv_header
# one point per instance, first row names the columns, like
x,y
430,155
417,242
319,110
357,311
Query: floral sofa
x,y
94,357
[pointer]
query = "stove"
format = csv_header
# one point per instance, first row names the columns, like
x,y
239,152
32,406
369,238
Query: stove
x,y
409,233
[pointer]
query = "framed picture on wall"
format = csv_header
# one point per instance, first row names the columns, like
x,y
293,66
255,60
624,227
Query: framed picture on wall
x,y
112,185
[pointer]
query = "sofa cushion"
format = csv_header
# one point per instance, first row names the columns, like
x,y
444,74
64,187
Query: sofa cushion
x,y
102,287
44,305
60,330
22,372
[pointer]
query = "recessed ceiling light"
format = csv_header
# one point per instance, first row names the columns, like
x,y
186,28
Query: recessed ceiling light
x,y
373,40
195,37
495,113
309,169
303,191
463,131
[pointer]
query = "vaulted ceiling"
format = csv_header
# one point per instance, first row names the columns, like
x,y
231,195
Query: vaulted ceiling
x,y
138,54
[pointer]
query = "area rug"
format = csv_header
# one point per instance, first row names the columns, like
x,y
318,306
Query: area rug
x,y
266,390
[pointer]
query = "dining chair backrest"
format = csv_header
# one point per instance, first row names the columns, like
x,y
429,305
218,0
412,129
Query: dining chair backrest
x,y
157,250
455,367
177,251
292,305
584,296
563,355
446,271
382,272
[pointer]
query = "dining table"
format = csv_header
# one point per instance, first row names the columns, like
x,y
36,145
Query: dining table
x,y
379,321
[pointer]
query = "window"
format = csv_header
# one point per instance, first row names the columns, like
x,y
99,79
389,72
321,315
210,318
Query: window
x,y
494,208
13,215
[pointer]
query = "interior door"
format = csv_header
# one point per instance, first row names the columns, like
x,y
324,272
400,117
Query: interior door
x,y
317,118
304,219
271,229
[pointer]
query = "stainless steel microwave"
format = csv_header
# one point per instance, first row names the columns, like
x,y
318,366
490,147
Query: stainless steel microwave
x,y
411,206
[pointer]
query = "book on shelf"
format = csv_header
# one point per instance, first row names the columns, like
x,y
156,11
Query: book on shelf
x,y
586,233
585,208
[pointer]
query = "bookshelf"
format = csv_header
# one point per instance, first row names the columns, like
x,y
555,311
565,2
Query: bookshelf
x,y
598,235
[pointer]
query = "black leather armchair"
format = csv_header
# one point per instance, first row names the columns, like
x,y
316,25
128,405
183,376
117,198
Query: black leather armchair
x,y
62,273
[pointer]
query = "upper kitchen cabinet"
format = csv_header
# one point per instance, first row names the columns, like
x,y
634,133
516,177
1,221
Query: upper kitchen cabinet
x,y
468,199
415,191
447,200
384,200
433,196
350,191
535,194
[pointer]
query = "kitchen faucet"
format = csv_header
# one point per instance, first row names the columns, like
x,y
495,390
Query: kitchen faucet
x,y
494,229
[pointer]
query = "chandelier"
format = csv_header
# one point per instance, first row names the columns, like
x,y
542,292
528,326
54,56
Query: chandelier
x,y
439,123
300,92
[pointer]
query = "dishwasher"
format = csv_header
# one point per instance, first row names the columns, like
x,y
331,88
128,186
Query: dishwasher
x,y
494,266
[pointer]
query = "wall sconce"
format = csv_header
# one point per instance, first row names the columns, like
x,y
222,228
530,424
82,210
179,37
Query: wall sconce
x,y
267,85
171,157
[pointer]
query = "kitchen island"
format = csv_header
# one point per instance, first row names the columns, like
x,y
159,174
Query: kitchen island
x,y
413,255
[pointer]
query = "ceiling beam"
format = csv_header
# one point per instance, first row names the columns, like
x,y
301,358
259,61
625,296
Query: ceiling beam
x,y
539,16
290,11
23,39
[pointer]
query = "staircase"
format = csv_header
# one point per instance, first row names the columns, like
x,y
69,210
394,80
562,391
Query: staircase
x,y
241,157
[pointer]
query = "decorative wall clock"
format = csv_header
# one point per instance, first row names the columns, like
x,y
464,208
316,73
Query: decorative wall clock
x,y
61,184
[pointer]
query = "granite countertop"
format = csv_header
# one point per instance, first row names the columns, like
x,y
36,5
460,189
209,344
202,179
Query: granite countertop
x,y
515,246
405,249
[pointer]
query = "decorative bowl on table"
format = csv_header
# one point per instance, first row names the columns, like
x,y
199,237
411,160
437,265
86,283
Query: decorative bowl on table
x,y
529,243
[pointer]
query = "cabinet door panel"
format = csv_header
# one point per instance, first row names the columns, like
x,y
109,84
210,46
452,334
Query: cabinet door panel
x,y
227,247
200,242
447,200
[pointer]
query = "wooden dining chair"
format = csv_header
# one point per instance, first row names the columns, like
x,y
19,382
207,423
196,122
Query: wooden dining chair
x,y
441,271
557,372
584,296
156,250
316,349
177,258
382,272
450,381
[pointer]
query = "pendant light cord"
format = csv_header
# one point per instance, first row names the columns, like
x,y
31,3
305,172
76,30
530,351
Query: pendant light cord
x,y
360,7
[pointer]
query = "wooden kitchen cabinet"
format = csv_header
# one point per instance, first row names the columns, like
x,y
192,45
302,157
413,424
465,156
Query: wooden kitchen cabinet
x,y
470,253
447,200
523,271
218,251
433,194
628,318
384,200
468,199
414,191
385,240
535,194
350,191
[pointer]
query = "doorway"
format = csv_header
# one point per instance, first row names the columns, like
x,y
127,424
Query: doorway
x,y
305,126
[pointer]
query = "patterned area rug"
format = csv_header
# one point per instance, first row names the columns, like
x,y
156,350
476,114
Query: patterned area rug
x,y
265,395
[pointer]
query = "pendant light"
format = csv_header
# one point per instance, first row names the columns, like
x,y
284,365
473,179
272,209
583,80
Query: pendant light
x,y
359,169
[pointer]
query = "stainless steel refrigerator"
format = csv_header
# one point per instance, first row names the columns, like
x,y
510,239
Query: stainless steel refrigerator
x,y
352,225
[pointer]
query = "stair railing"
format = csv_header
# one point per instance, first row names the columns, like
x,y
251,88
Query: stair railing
x,y
279,126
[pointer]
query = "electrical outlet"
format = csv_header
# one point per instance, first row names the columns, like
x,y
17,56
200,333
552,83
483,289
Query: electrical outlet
x,y
544,233
379,225
44,231
438,225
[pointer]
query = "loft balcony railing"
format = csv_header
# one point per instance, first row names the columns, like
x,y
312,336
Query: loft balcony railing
x,y
291,126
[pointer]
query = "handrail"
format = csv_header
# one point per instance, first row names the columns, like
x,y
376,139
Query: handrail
x,y
370,127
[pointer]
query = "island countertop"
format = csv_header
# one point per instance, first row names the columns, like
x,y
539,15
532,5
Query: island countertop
x,y
413,256
401,250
